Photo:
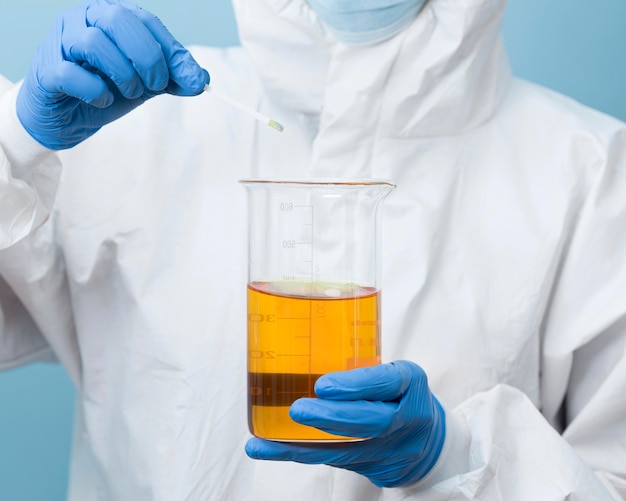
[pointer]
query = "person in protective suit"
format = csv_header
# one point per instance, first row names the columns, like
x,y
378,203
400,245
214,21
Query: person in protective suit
x,y
123,254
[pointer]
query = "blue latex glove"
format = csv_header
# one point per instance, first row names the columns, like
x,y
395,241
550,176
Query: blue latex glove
x,y
390,403
101,60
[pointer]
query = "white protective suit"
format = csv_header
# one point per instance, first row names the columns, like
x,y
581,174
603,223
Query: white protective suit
x,y
504,262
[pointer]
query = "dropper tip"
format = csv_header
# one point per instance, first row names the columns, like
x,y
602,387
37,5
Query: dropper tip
x,y
275,125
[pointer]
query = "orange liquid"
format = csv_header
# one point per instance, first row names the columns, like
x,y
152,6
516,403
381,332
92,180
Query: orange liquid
x,y
296,333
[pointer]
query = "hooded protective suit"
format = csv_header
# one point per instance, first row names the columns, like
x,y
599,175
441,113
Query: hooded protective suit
x,y
503,260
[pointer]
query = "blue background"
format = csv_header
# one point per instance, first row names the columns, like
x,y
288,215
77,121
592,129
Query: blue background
x,y
573,46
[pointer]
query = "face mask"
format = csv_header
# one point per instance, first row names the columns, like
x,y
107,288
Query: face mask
x,y
357,22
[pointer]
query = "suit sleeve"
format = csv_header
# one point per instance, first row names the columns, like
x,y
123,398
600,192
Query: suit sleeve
x,y
35,309
498,444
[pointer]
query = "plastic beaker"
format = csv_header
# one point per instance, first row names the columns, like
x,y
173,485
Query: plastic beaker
x,y
313,293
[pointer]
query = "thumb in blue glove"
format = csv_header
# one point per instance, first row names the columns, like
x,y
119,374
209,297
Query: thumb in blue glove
x,y
390,405
101,60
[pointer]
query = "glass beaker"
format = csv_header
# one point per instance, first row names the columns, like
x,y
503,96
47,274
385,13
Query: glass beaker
x,y
313,293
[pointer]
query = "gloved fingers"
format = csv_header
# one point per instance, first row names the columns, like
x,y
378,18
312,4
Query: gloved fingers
x,y
337,454
75,81
134,41
360,418
385,382
96,49
186,76
185,80
121,106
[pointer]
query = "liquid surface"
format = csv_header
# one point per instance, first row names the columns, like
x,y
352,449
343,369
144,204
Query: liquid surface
x,y
296,332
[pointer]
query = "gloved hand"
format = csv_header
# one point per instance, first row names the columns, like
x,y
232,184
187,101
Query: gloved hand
x,y
101,60
391,403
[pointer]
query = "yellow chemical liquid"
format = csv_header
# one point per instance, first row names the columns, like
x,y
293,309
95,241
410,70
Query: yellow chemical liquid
x,y
297,332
